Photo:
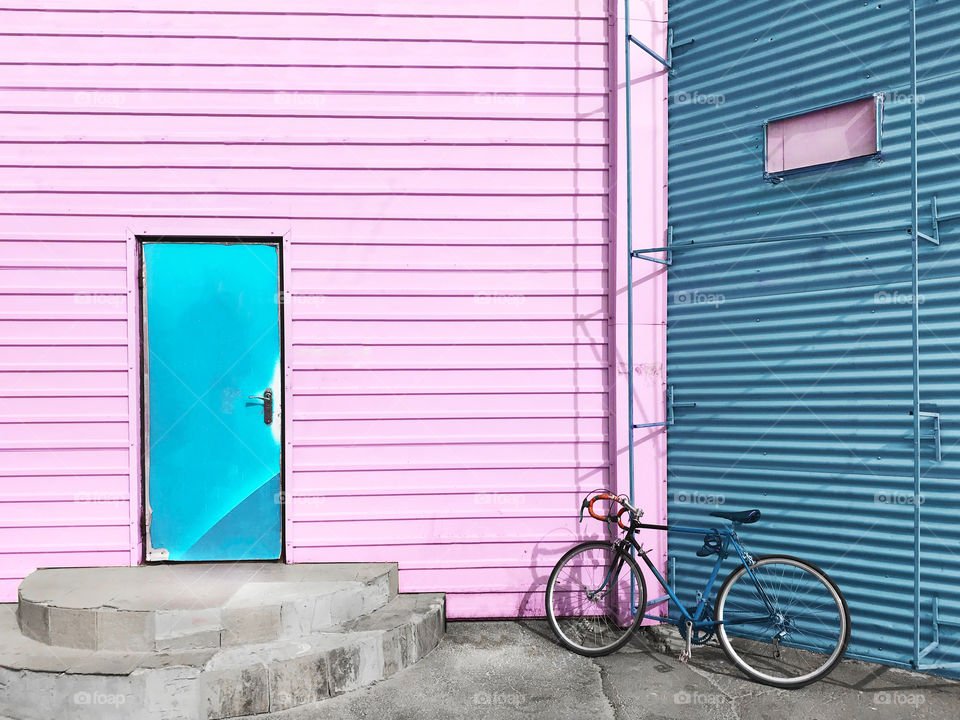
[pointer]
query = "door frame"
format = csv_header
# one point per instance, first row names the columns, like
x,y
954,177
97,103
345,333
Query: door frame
x,y
148,555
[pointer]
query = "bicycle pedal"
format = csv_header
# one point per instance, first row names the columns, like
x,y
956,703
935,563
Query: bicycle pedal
x,y
684,657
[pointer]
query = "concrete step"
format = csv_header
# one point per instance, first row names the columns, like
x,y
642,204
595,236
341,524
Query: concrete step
x,y
40,681
166,608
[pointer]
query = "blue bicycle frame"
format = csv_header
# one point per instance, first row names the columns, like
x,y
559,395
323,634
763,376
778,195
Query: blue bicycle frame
x,y
729,539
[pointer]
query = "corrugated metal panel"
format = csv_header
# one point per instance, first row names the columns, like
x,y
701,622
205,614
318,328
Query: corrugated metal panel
x,y
797,352
938,73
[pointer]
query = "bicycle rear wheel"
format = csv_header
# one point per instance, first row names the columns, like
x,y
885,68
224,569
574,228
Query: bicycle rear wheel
x,y
786,626
595,598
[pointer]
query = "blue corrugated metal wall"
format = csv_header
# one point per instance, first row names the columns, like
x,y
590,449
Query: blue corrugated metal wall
x,y
938,124
796,343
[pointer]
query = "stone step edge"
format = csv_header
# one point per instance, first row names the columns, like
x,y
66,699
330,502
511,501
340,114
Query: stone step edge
x,y
249,680
204,628
333,664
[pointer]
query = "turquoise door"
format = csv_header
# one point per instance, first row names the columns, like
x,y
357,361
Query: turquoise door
x,y
212,347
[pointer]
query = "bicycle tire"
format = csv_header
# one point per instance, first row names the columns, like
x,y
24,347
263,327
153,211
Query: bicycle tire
x,y
833,649
560,625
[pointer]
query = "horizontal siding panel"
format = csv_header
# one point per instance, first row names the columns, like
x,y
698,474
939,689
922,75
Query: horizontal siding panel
x,y
309,26
59,382
342,156
31,539
70,485
487,555
445,356
364,230
425,481
45,305
456,405
319,182
478,307
469,81
130,203
436,380
375,8
113,126
478,281
59,356
24,409
21,562
384,430
409,453
469,257
308,53
64,513
35,330
405,332
59,433
34,252
451,531
476,505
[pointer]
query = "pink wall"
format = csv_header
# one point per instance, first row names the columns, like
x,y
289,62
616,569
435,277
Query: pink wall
x,y
454,269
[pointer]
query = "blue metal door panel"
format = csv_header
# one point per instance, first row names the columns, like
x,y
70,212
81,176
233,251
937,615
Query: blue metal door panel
x,y
212,339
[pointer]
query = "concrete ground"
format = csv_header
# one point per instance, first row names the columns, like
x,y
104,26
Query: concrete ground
x,y
514,670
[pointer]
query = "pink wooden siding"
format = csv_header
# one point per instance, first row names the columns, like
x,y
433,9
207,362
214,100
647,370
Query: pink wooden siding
x,y
441,176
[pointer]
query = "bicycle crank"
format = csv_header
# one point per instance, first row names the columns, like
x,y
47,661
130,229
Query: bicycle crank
x,y
687,651
701,635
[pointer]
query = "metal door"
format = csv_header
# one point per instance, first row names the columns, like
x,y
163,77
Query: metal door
x,y
211,348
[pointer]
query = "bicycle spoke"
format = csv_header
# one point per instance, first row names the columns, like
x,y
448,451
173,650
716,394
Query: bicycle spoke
x,y
802,633
589,596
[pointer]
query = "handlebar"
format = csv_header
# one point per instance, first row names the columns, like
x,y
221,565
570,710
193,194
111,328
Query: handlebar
x,y
628,508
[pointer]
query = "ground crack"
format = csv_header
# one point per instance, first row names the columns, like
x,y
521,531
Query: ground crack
x,y
604,684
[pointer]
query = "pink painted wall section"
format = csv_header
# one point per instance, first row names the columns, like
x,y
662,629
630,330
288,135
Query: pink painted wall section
x,y
648,22
452,223
824,136
456,376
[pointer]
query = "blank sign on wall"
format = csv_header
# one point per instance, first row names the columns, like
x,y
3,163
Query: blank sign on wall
x,y
825,136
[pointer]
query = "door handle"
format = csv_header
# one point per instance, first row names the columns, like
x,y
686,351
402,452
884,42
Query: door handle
x,y
267,399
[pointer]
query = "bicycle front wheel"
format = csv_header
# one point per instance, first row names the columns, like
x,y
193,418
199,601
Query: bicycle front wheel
x,y
784,623
595,598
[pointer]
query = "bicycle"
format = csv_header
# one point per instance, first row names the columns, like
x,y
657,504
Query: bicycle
x,y
781,620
